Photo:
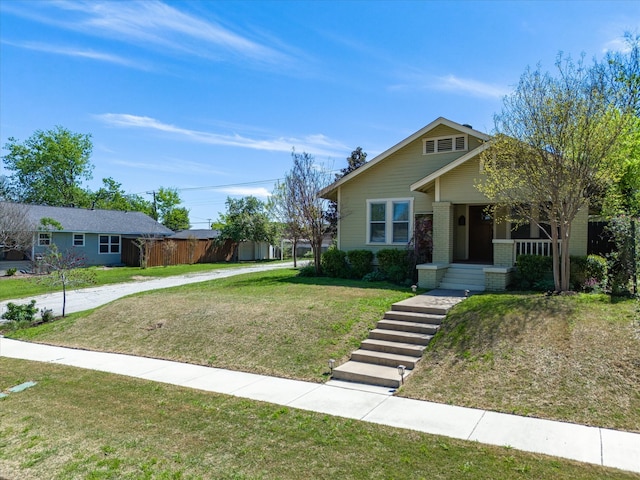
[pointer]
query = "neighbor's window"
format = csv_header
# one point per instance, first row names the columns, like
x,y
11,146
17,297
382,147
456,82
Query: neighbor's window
x,y
388,221
78,239
44,239
109,244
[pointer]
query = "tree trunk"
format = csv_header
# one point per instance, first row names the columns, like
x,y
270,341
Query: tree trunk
x,y
293,251
556,255
565,231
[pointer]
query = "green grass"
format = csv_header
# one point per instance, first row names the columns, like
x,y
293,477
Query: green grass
x,y
572,358
272,323
26,286
83,424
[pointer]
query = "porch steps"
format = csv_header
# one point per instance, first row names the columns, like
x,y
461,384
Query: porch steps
x,y
464,277
398,339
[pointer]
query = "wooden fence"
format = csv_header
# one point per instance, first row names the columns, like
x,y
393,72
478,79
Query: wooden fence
x,y
179,251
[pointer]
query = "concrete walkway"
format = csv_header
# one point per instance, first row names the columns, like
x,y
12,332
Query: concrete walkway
x,y
93,297
599,446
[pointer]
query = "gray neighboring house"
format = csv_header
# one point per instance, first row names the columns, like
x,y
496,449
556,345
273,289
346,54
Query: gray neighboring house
x,y
96,234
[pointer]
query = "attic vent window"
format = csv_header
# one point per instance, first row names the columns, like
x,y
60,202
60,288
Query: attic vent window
x,y
454,143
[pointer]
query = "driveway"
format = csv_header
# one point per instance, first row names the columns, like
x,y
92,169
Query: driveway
x,y
87,298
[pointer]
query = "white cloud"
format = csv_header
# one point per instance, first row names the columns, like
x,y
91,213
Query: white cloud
x,y
259,192
170,166
78,52
154,24
317,144
470,86
451,83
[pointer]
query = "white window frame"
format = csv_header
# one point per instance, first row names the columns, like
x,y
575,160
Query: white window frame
x,y
78,236
388,235
44,239
110,244
436,141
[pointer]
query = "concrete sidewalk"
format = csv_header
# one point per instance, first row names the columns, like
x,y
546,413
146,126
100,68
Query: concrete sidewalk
x,y
93,297
599,446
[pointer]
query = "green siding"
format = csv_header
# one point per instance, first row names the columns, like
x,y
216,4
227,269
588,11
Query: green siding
x,y
391,178
458,185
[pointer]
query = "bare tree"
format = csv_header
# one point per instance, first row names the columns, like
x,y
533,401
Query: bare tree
x,y
65,270
145,246
16,231
302,185
284,208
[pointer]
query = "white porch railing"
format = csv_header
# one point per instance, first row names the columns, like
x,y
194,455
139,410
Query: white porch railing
x,y
531,246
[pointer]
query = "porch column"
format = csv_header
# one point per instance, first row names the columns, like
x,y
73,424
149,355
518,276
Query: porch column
x,y
442,232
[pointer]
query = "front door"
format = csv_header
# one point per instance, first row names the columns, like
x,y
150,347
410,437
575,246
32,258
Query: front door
x,y
480,234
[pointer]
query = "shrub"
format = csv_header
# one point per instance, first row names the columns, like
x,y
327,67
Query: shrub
x,y
20,316
11,272
334,264
375,276
46,314
360,261
394,264
534,271
588,272
308,270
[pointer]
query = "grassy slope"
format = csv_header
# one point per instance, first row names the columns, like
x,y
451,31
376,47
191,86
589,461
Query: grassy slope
x,y
82,424
574,358
270,323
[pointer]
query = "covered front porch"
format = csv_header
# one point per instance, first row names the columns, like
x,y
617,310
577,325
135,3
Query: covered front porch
x,y
471,251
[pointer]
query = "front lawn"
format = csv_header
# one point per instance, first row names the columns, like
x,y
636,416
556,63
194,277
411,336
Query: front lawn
x,y
571,358
83,424
272,323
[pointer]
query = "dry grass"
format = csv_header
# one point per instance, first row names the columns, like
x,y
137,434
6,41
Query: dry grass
x,y
567,358
270,323
82,424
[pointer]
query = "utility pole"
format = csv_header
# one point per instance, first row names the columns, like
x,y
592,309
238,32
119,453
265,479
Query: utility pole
x,y
155,205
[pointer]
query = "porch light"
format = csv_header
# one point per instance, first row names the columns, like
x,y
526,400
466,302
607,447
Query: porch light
x,y
332,363
401,369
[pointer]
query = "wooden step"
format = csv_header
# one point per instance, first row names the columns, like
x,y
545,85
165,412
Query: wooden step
x,y
414,317
397,336
413,327
410,349
368,373
384,358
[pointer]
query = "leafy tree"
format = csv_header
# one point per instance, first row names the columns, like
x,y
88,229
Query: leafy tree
x,y
555,145
49,167
111,196
166,201
302,185
246,219
65,270
16,232
354,161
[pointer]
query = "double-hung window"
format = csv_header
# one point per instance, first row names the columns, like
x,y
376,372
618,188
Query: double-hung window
x,y
388,221
44,239
78,239
109,244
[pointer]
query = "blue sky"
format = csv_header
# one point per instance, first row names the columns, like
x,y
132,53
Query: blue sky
x,y
211,96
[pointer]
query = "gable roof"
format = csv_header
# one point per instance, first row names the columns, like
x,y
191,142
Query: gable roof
x,y
420,133
81,220
448,167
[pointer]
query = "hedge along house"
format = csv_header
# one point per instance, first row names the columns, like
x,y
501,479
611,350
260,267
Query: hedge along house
x,y
95,234
433,174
